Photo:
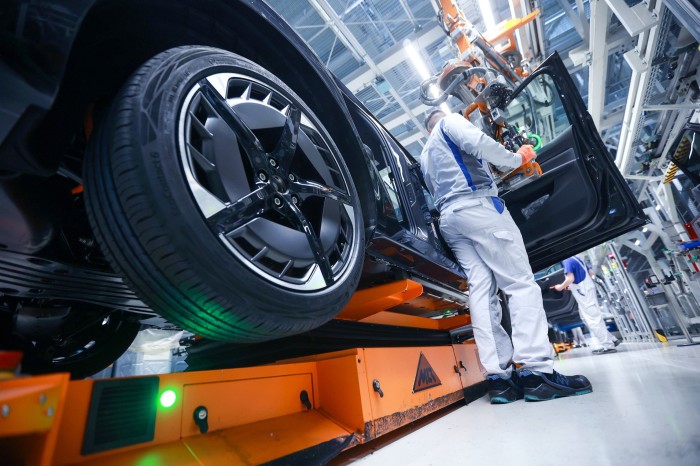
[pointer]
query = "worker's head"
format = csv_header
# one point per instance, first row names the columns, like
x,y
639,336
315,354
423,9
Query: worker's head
x,y
433,118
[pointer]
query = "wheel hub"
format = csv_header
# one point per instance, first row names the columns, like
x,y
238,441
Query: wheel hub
x,y
266,180
279,183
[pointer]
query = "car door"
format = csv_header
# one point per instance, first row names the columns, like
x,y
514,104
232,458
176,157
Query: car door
x,y
581,199
557,304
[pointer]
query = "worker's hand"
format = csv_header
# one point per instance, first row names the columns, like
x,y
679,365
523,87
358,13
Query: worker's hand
x,y
527,153
559,287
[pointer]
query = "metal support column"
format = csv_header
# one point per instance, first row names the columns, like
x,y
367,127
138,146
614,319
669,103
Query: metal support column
x,y
620,309
634,296
675,308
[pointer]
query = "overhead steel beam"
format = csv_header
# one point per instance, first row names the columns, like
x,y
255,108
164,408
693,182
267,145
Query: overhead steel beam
x,y
636,19
662,107
409,13
644,177
598,72
611,119
521,37
399,118
574,18
581,55
347,37
389,59
584,21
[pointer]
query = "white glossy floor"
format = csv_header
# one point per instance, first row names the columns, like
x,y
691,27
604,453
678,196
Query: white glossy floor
x,y
644,410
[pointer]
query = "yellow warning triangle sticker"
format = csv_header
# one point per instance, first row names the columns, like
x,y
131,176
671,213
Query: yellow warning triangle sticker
x,y
425,375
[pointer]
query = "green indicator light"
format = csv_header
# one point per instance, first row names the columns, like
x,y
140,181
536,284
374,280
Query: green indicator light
x,y
167,398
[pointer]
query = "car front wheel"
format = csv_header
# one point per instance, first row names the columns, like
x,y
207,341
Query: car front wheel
x,y
223,200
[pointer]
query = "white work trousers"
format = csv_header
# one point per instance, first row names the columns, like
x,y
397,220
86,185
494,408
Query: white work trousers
x,y
490,249
579,339
588,309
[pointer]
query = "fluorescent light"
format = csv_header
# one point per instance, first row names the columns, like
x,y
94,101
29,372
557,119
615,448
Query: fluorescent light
x,y
645,229
637,243
416,59
658,207
487,14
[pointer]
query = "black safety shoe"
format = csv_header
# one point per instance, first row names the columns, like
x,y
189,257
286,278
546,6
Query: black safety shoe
x,y
604,351
540,386
502,390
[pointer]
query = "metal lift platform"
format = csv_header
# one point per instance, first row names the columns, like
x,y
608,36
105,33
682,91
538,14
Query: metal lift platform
x,y
302,410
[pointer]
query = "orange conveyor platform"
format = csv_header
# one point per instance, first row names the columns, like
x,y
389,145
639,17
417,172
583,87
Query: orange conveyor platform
x,y
298,411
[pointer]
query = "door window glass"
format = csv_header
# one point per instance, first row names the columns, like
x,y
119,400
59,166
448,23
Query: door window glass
x,y
392,206
538,110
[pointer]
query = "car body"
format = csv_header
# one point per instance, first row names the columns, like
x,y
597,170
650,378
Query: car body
x,y
63,66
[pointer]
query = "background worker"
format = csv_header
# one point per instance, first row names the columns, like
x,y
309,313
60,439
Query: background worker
x,y
489,247
579,339
579,281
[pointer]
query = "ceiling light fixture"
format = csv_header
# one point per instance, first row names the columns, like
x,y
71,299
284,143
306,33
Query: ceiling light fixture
x,y
416,60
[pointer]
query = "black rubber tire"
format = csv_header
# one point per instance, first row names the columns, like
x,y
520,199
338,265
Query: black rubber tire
x,y
108,346
152,232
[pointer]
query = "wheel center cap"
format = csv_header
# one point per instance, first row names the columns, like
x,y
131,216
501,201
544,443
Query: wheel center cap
x,y
279,183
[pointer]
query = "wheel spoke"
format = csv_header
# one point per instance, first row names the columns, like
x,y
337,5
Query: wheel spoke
x,y
318,189
241,212
250,142
297,217
287,145
253,158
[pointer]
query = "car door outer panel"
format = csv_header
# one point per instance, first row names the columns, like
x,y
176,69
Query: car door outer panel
x,y
616,210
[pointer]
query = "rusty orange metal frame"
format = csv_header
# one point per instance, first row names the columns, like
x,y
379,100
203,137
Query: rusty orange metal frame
x,y
373,305
507,31
370,301
256,415
31,413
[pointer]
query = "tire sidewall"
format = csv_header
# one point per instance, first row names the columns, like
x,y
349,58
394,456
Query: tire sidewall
x,y
156,110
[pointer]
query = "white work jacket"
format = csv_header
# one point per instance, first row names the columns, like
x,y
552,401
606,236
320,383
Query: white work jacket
x,y
453,165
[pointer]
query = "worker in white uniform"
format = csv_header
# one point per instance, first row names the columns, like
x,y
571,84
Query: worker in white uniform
x,y
579,281
477,226
579,339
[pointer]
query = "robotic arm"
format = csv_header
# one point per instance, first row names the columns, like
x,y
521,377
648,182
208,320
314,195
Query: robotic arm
x,y
483,80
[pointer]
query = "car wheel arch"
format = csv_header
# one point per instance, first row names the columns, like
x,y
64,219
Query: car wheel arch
x,y
97,69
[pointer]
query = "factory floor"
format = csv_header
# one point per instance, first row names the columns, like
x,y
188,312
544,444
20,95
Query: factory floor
x,y
644,410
